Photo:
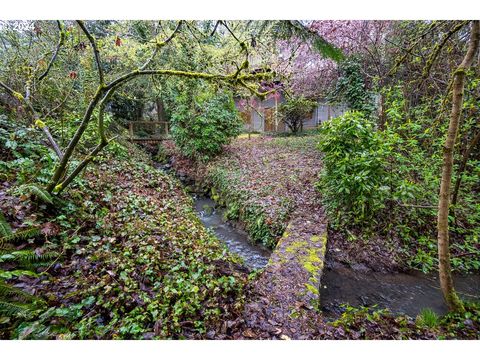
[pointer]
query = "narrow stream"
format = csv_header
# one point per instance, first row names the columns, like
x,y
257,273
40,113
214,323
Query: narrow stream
x,y
401,293
237,241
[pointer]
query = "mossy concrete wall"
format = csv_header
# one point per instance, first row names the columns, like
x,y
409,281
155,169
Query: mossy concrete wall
x,y
286,297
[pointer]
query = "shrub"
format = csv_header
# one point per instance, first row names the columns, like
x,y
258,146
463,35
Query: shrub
x,y
350,88
202,127
294,111
23,155
354,177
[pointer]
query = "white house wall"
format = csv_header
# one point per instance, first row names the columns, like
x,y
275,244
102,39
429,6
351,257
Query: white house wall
x,y
321,113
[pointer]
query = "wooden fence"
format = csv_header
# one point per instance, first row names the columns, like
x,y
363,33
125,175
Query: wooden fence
x,y
147,131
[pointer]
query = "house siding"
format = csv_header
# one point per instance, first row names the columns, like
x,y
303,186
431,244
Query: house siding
x,y
322,112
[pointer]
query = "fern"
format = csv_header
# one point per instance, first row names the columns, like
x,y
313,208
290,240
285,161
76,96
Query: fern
x,y
28,258
15,302
9,274
19,235
11,292
33,189
5,228
18,309
326,49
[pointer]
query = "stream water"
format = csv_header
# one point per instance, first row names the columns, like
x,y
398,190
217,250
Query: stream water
x,y
401,293
237,241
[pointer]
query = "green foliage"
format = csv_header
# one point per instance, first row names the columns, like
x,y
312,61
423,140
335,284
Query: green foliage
x,y
202,125
225,193
350,88
374,323
294,111
414,166
353,182
5,228
24,158
152,266
463,325
428,318
33,189
161,156
390,179
126,108
15,303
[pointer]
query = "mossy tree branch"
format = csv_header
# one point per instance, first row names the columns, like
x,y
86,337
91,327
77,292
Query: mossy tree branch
x,y
96,53
61,41
60,169
440,45
409,50
104,91
445,275
160,44
103,142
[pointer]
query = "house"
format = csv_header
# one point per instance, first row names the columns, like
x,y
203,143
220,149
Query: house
x,y
261,115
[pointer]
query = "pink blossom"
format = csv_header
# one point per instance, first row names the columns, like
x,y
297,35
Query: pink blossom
x,y
309,73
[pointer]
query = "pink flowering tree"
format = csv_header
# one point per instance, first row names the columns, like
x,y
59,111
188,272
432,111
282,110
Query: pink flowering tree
x,y
307,72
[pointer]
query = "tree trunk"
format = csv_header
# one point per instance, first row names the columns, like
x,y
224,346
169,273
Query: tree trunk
x,y
160,110
445,275
463,165
382,116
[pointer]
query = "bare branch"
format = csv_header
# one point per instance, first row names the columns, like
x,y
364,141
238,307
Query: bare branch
x,y
61,40
61,102
224,23
215,28
439,46
96,53
160,44
408,51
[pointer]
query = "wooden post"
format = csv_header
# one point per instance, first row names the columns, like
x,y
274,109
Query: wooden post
x,y
276,114
130,130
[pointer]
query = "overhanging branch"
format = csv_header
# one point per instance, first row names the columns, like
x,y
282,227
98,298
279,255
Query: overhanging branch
x,y
61,40
160,44
96,53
